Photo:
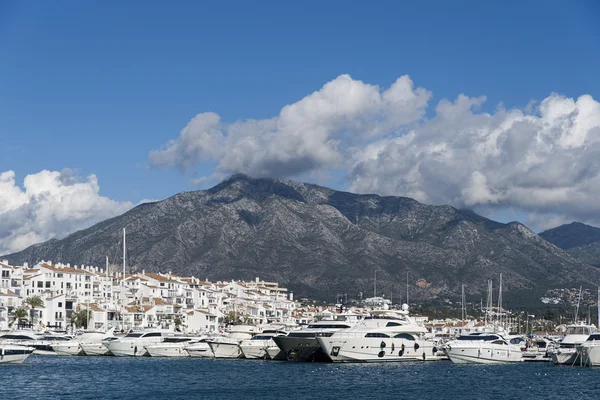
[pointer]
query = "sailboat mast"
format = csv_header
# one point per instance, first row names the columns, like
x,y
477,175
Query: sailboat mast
x,y
499,316
462,302
598,307
578,301
407,303
124,256
375,285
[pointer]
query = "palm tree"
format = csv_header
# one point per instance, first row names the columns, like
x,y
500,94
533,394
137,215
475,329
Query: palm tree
x,y
19,315
34,302
79,319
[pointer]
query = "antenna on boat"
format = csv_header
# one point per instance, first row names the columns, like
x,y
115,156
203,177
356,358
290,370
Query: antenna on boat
x,y
598,326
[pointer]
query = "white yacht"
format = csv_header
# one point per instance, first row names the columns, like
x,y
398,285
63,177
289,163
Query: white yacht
x,y
171,346
229,346
258,345
41,343
566,352
199,349
134,344
98,348
386,336
483,348
74,347
302,344
588,353
538,350
14,353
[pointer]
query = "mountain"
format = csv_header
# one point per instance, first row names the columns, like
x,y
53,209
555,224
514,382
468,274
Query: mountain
x,y
580,240
320,242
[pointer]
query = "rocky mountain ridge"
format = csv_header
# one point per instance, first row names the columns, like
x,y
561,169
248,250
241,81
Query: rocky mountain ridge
x,y
580,240
320,242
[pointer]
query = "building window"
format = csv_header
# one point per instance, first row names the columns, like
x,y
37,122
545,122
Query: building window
x,y
60,304
40,284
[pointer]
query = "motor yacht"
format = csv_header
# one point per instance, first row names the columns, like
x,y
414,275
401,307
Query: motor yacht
x,y
566,352
41,342
199,349
258,345
588,353
171,346
134,343
14,353
483,348
385,336
302,344
74,347
228,346
538,350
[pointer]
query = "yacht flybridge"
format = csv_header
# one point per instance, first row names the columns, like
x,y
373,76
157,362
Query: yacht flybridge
x,y
386,336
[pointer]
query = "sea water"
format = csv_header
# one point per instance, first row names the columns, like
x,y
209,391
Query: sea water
x,y
52,377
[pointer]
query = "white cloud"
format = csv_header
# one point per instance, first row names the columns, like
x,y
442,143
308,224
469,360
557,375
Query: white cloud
x,y
50,204
541,160
544,163
308,135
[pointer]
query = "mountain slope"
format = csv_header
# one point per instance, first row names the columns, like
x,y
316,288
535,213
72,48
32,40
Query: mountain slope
x,y
580,240
320,242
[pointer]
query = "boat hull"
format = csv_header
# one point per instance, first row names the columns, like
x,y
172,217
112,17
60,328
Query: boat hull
x,y
485,354
127,349
201,350
225,350
564,357
67,349
300,348
378,350
14,354
95,349
166,351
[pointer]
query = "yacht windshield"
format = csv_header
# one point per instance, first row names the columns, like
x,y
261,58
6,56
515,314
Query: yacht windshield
x,y
578,330
134,335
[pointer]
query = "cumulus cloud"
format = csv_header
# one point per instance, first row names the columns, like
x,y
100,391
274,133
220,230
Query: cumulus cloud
x,y
545,163
309,135
50,204
542,160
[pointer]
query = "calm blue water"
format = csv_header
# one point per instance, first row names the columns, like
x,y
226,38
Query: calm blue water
x,y
50,377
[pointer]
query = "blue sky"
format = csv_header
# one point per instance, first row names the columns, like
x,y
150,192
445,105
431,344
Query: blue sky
x,y
95,86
